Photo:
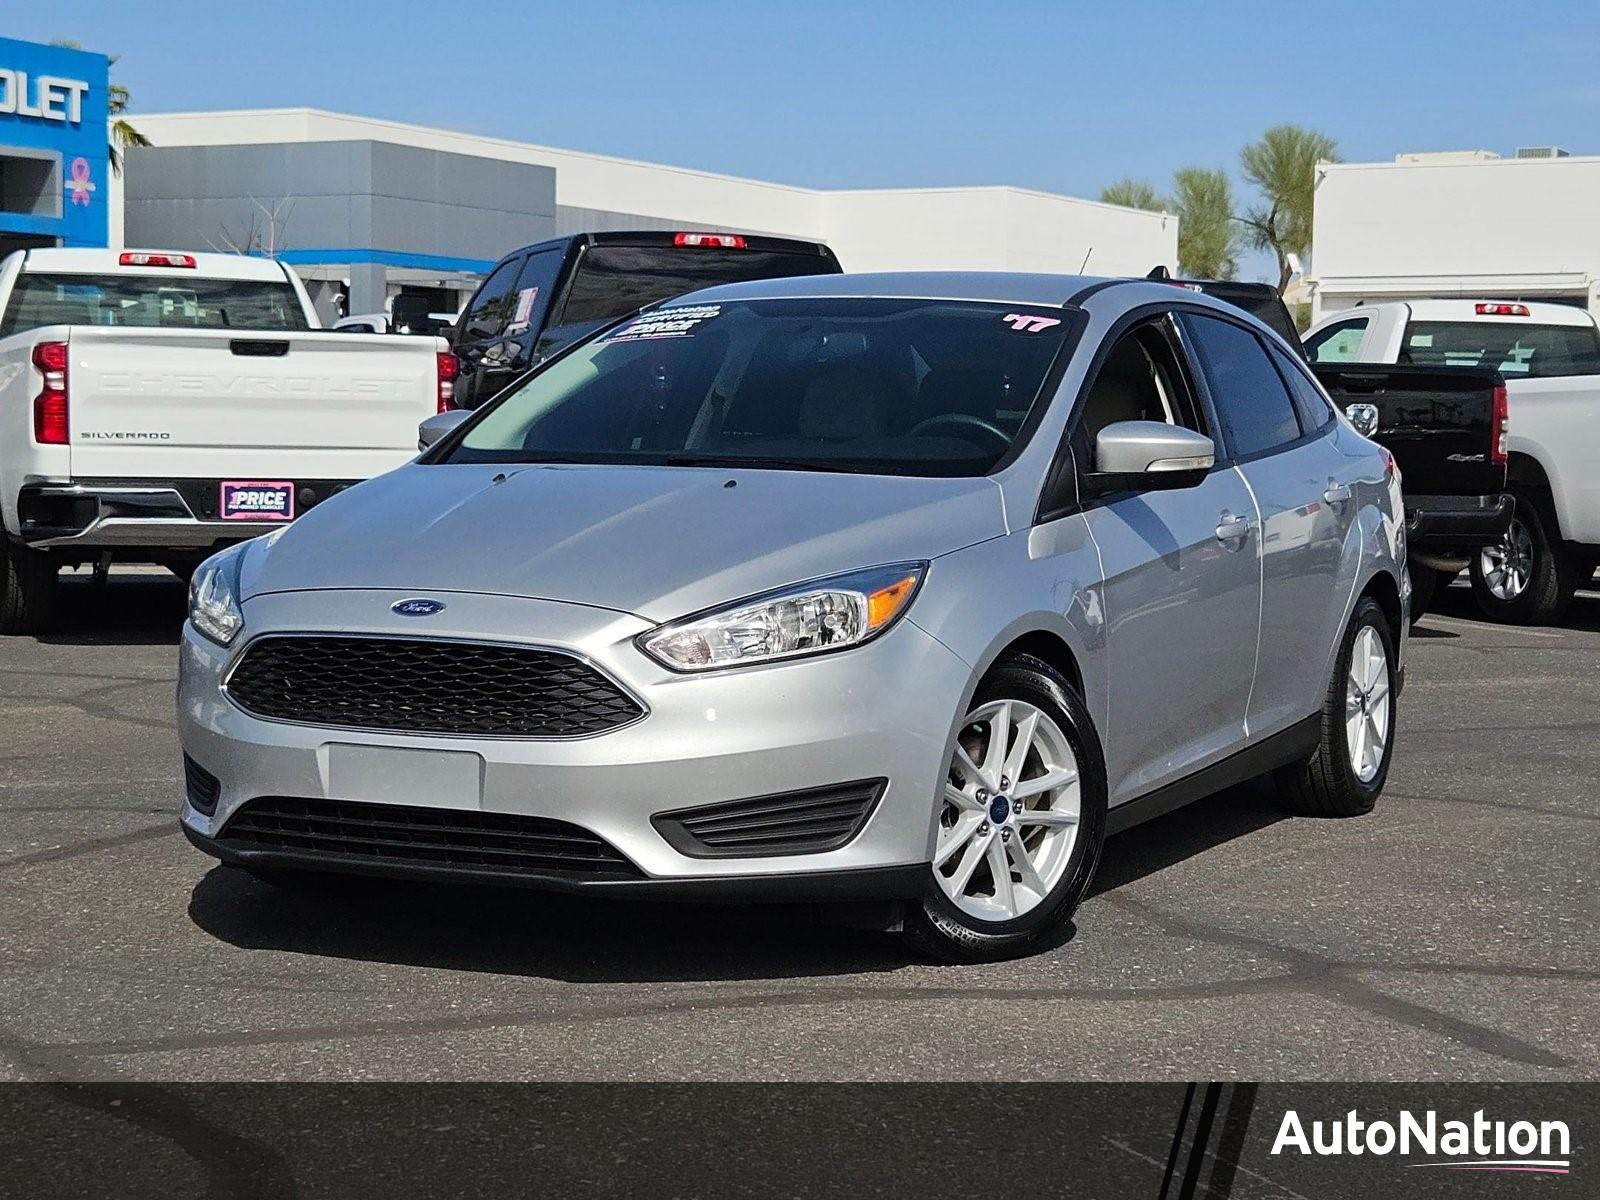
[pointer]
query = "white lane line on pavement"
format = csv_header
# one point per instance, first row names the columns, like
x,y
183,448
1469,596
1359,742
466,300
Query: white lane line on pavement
x,y
1479,625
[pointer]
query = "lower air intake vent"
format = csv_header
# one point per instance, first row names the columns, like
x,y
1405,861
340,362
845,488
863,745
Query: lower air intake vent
x,y
437,837
201,786
807,822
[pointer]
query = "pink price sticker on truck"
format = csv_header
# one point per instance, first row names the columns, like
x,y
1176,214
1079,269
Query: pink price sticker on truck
x,y
253,500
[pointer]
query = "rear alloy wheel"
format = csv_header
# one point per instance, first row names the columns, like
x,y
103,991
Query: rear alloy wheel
x,y
1020,823
1345,775
1528,576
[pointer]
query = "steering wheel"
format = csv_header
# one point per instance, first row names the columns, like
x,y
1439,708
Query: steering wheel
x,y
965,421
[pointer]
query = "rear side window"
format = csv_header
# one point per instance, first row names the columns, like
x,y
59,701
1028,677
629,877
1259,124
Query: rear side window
x,y
1339,342
493,305
151,302
1517,349
612,281
1310,405
1251,400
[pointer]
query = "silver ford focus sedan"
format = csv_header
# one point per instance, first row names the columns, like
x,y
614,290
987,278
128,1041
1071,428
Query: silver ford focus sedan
x,y
896,587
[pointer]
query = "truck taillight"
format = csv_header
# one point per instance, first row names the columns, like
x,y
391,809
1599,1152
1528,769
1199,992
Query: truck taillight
x,y
50,405
1497,430
724,241
135,258
449,367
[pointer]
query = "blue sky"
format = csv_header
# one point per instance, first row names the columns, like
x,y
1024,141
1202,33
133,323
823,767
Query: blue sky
x,y
1050,94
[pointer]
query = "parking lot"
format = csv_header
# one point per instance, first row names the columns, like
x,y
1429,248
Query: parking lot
x,y
1448,936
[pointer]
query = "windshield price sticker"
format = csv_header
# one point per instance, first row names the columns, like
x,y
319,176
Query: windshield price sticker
x,y
1028,323
523,316
667,323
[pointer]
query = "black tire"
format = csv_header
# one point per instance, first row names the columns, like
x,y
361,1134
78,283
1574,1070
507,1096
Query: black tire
x,y
940,930
1554,573
1326,784
1425,581
27,589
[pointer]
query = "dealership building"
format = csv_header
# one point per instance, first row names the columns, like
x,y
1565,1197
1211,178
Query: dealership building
x,y
54,164
366,209
1463,223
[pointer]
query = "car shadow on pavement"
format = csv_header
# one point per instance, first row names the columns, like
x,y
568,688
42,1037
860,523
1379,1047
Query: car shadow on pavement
x,y
1193,830
583,939
134,609
514,931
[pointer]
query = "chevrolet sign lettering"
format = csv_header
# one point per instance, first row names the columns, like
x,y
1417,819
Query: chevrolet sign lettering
x,y
49,97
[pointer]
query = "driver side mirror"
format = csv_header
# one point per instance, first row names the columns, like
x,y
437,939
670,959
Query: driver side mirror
x,y
1146,455
439,426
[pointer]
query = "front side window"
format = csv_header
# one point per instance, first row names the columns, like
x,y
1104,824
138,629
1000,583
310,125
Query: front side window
x,y
494,304
1251,400
919,387
1339,342
1140,380
1517,350
152,302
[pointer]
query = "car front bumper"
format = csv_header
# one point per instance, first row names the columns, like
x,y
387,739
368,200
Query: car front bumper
x,y
884,711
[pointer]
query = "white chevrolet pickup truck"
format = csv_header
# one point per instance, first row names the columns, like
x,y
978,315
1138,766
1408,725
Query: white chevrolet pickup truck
x,y
155,406
1549,355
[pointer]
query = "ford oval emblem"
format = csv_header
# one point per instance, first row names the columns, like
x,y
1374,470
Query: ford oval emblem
x,y
418,607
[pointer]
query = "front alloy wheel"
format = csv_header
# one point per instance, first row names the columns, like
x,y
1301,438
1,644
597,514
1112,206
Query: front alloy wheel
x,y
1011,812
1020,820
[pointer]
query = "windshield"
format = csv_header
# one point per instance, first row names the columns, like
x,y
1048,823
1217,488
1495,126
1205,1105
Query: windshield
x,y
921,387
1517,350
152,301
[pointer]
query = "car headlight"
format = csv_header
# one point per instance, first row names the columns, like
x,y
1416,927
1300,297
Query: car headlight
x,y
807,618
214,596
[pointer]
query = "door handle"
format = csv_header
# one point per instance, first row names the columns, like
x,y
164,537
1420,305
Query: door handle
x,y
1337,493
1233,529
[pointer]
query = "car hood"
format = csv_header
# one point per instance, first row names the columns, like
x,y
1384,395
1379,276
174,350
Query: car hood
x,y
659,542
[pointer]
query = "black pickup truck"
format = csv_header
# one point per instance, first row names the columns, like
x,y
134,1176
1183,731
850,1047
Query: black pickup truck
x,y
1445,428
545,296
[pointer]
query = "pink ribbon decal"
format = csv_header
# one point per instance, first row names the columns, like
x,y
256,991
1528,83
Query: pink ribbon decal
x,y
80,184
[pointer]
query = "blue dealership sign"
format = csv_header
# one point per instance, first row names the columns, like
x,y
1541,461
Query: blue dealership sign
x,y
53,150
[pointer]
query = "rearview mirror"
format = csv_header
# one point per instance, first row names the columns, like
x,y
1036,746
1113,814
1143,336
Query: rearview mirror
x,y
1152,454
438,426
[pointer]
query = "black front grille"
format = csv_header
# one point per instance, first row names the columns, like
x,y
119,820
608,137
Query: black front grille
x,y
201,786
397,834
414,686
807,822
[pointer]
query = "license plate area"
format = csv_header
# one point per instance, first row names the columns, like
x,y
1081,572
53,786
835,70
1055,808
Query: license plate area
x,y
396,775
256,500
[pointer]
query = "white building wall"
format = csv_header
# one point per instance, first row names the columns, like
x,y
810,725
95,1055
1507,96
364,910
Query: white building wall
x,y
971,228
1497,227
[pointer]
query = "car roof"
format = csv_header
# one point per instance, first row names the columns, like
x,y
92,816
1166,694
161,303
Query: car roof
x,y
57,260
988,287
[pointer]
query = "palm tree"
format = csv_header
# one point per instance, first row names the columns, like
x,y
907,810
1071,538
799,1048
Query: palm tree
x,y
119,129
1133,193
1208,237
1283,166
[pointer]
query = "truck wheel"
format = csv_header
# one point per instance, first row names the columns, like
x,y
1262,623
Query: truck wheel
x,y
1345,775
27,588
1528,576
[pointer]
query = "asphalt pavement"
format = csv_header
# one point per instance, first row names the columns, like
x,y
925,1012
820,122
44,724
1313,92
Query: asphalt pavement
x,y
1450,935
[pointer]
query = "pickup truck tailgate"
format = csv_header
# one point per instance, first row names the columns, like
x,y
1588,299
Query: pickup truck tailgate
x,y
178,403
1437,422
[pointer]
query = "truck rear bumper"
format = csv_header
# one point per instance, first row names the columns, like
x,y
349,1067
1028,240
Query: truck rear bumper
x,y
1456,524
161,515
